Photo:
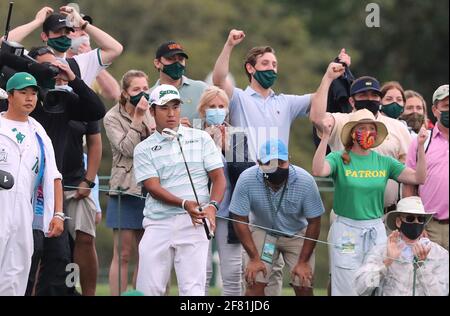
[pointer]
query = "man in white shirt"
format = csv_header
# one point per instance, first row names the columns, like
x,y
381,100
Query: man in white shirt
x,y
172,235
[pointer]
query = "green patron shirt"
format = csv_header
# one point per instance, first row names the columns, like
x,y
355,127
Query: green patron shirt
x,y
359,186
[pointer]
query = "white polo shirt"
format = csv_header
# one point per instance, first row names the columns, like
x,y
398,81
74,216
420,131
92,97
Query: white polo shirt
x,y
158,157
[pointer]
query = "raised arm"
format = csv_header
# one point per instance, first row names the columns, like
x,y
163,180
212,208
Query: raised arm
x,y
109,86
21,32
110,48
222,65
320,98
418,176
321,167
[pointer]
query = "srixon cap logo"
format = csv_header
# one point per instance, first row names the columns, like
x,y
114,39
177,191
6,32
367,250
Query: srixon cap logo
x,y
163,93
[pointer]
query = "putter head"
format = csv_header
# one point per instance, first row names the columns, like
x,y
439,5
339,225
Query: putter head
x,y
6,180
169,133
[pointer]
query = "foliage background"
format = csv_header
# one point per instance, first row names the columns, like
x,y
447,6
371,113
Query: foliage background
x,y
411,46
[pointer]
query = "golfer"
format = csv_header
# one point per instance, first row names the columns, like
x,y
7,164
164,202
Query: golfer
x,y
173,220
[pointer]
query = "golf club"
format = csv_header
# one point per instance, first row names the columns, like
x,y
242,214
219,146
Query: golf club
x,y
6,180
171,133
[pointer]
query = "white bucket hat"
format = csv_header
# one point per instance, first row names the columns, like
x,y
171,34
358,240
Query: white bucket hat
x,y
411,205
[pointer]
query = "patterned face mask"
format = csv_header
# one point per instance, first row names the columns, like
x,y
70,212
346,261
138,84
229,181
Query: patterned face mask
x,y
365,139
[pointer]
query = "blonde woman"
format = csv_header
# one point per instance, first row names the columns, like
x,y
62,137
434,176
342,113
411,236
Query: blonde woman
x,y
126,124
360,176
213,109
415,113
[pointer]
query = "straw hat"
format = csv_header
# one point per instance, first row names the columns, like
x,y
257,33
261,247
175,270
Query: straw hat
x,y
363,116
411,205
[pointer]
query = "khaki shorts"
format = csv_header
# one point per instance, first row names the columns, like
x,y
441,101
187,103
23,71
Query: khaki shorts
x,y
81,212
289,248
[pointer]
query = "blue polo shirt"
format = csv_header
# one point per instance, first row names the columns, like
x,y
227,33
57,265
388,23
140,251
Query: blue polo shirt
x,y
265,119
159,157
190,92
301,200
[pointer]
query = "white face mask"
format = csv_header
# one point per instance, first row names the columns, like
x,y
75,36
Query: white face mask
x,y
76,43
64,87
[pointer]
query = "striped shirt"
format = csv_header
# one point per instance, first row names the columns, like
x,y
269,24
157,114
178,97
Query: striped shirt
x,y
158,157
301,200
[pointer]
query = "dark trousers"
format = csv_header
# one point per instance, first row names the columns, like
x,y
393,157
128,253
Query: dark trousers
x,y
51,256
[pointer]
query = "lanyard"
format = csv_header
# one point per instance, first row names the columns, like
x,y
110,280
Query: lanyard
x,y
269,198
38,201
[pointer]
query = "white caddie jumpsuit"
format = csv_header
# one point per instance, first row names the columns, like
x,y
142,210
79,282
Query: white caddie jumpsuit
x,y
16,210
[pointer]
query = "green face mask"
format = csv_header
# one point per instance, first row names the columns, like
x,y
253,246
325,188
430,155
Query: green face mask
x,y
265,78
174,71
444,118
135,99
393,110
60,44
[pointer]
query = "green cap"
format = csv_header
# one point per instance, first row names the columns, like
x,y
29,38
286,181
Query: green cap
x,y
20,81
441,93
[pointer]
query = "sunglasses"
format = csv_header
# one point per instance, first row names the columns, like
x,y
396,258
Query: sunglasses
x,y
412,218
41,51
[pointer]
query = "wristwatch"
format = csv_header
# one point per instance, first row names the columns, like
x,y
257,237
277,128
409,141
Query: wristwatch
x,y
89,183
215,204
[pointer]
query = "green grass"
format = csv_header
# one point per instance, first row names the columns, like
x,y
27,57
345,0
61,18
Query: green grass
x,y
103,290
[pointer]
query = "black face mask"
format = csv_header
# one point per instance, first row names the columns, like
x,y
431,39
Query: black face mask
x,y
277,177
372,106
412,230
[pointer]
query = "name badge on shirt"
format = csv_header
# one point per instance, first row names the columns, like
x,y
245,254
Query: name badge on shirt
x,y
268,250
348,243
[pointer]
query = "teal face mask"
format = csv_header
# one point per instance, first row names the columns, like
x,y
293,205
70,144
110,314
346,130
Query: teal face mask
x,y
265,78
174,71
215,116
393,110
135,99
60,44
444,118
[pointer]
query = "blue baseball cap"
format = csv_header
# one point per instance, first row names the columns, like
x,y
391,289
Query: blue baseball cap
x,y
273,149
365,83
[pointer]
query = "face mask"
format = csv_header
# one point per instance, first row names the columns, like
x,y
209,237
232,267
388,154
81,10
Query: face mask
x,y
265,78
412,230
60,44
64,87
414,120
135,99
76,43
277,177
393,110
174,71
215,116
365,139
372,106
444,118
